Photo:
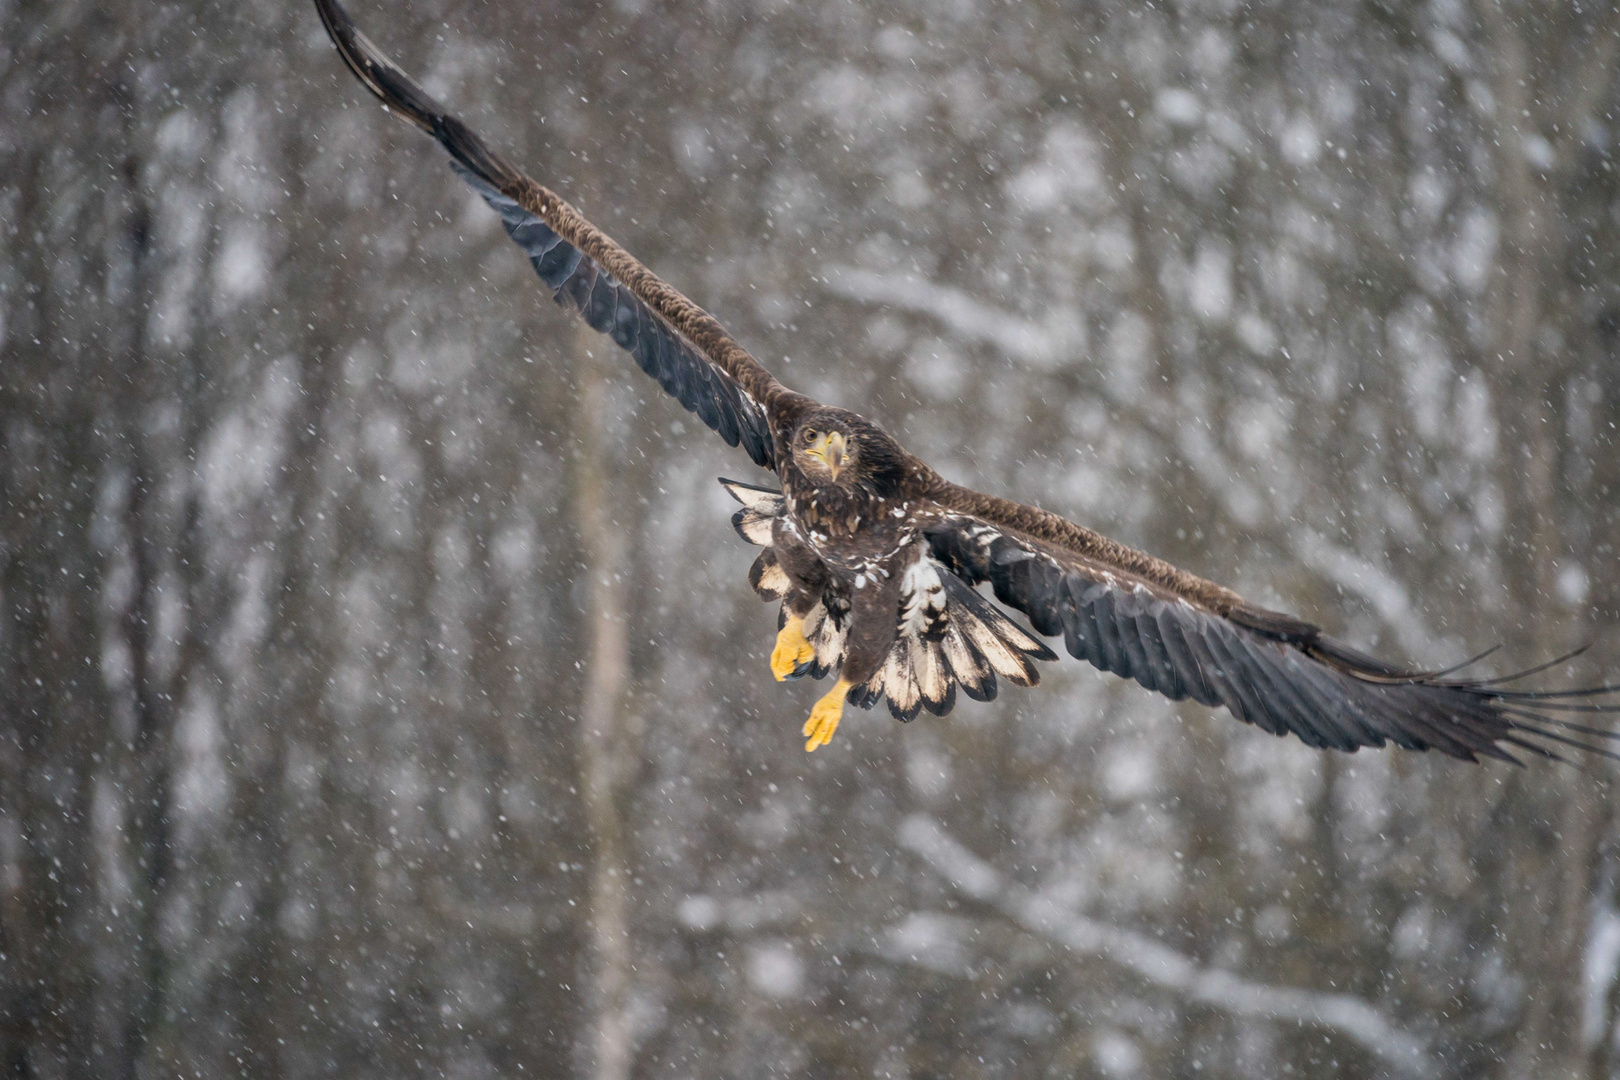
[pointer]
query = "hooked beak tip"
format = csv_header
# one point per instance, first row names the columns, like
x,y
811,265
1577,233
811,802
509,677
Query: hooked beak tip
x,y
836,458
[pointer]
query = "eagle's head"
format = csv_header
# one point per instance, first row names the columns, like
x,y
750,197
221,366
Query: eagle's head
x,y
838,448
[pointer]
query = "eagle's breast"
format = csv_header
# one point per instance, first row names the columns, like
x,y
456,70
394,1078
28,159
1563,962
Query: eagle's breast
x,y
858,535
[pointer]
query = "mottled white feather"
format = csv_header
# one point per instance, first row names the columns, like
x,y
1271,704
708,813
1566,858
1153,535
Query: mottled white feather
x,y
967,665
774,580
762,501
922,598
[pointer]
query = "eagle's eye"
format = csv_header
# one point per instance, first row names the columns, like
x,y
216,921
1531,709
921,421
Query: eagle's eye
x,y
810,435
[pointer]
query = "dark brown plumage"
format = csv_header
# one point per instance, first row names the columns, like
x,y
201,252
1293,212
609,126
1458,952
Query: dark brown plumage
x,y
875,557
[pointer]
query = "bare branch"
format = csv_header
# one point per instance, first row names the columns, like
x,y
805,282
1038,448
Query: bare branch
x,y
1366,579
607,737
963,313
1592,79
1161,965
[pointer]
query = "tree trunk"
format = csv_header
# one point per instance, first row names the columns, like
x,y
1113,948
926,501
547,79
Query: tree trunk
x,y
606,751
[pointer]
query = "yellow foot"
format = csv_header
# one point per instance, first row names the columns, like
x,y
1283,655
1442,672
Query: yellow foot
x,y
824,716
792,649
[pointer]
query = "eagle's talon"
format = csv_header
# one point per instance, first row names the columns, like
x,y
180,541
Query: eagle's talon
x,y
824,716
793,654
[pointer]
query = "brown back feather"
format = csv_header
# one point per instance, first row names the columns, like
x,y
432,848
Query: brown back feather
x,y
1060,532
701,328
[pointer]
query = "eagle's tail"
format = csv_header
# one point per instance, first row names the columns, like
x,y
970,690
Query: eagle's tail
x,y
977,647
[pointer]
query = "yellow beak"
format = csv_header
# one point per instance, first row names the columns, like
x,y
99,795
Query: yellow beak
x,y
831,450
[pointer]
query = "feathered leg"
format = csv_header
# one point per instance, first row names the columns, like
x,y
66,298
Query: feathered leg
x,y
874,608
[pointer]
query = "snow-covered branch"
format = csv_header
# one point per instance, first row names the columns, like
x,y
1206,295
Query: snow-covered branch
x,y
1364,578
1157,963
1023,339
963,313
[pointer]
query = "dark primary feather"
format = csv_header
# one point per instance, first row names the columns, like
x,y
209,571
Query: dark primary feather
x,y
1271,670
610,307
408,100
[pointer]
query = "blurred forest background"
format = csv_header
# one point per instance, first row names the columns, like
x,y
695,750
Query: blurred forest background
x,y
380,691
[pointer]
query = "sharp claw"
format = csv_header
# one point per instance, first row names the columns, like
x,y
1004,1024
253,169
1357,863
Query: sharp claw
x,y
824,716
793,650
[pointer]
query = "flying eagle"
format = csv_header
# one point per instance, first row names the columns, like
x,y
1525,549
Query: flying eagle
x,y
875,557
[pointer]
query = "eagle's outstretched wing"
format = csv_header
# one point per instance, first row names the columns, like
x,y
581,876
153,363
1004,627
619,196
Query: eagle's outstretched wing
x,y
1143,619
671,338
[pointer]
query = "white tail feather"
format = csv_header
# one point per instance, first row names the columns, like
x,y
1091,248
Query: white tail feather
x,y
967,666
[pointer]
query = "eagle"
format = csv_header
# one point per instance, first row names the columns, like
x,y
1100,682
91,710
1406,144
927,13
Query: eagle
x,y
876,560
